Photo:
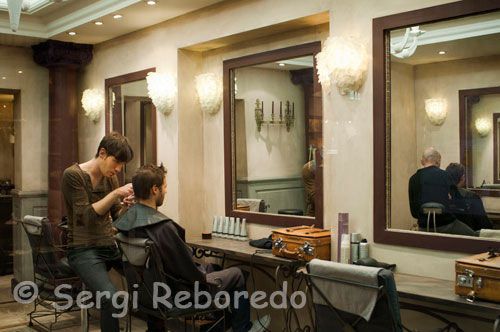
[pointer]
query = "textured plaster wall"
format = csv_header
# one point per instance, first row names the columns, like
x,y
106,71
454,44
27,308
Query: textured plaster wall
x,y
273,152
6,147
30,118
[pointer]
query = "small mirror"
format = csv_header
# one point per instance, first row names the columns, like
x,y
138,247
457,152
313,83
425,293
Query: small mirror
x,y
131,112
275,107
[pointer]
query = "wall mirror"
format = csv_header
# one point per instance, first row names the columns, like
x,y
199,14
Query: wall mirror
x,y
130,111
273,137
433,73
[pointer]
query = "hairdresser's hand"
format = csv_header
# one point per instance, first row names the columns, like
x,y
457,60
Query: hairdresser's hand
x,y
129,200
124,191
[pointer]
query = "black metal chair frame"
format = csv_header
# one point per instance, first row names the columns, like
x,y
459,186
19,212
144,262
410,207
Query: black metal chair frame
x,y
155,263
48,282
397,325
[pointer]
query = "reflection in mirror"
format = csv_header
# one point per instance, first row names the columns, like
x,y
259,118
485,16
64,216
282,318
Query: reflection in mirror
x,y
132,113
272,142
273,137
429,65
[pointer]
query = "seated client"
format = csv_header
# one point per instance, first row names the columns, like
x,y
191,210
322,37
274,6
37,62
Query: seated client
x,y
143,220
431,184
466,205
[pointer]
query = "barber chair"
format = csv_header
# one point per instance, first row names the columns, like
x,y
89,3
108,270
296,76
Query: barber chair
x,y
143,266
352,298
432,209
51,269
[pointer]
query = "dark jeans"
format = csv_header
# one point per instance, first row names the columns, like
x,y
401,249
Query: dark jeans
x,y
92,265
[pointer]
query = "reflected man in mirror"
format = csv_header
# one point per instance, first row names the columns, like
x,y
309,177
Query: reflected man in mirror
x,y
308,177
466,205
429,189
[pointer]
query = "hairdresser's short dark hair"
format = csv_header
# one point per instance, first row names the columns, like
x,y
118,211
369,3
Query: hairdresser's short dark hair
x,y
145,178
116,145
456,172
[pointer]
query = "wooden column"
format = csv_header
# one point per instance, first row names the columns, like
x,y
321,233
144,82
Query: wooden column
x,y
63,60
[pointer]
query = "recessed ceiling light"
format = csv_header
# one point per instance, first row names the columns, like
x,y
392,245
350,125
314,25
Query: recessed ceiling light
x,y
19,71
98,23
152,2
4,106
4,78
281,64
72,33
442,52
118,16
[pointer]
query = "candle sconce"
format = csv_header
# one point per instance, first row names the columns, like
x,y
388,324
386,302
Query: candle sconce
x,y
287,119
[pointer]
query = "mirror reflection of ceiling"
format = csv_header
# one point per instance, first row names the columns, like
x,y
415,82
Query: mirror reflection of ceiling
x,y
53,19
462,38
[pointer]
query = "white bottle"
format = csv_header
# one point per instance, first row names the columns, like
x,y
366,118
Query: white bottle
x,y
345,249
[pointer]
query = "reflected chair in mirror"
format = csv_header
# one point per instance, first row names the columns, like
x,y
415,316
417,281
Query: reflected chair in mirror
x,y
357,298
432,209
51,269
143,268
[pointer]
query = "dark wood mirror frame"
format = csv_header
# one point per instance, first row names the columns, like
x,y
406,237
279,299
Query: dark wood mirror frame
x,y
229,145
496,146
123,79
466,100
381,116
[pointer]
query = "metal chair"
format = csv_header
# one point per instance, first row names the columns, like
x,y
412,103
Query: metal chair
x,y
335,313
51,270
142,266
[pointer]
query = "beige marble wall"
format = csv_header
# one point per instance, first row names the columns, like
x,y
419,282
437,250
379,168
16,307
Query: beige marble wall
x,y
6,147
403,147
31,116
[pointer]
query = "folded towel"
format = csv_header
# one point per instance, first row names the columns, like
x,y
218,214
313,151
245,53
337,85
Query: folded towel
x,y
355,299
490,233
34,224
253,203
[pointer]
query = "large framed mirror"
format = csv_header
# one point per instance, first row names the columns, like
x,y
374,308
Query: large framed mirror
x,y
429,66
273,137
130,111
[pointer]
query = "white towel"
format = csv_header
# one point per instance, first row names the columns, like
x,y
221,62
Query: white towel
x,y
33,224
490,233
357,300
253,203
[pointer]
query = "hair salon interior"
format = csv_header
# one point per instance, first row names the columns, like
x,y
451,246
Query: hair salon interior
x,y
244,101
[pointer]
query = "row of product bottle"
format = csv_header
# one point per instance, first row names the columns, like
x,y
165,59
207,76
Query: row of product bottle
x,y
230,228
352,248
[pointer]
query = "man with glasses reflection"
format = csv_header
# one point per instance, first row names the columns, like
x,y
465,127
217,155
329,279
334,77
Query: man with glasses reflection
x,y
430,188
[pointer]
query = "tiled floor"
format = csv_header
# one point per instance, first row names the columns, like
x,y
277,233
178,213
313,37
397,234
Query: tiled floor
x,y
14,316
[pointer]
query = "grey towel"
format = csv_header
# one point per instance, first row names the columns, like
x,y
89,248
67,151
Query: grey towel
x,y
490,233
253,203
357,300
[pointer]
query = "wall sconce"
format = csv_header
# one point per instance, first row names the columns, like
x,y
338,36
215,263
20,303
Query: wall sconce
x,y
287,121
209,89
343,60
483,126
436,110
162,90
93,103
401,49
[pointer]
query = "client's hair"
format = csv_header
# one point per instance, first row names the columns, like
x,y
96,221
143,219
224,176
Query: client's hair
x,y
456,172
145,178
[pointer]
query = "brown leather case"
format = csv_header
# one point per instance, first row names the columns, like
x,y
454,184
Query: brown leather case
x,y
302,242
478,276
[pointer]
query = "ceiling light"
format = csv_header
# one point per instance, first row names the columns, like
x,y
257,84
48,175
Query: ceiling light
x,y
19,71
72,33
4,78
118,16
281,64
442,52
152,2
98,23
4,106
